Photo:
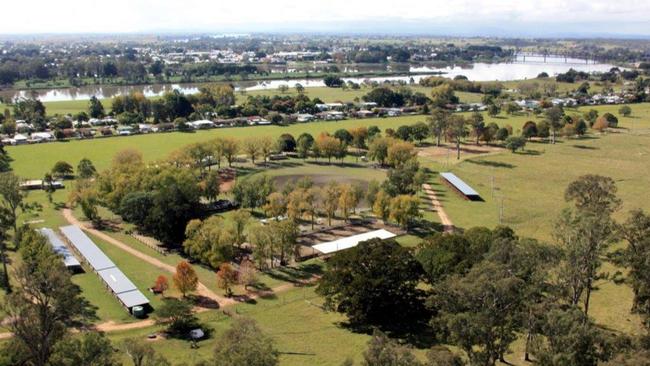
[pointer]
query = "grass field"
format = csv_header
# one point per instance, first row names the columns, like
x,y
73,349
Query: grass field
x,y
528,185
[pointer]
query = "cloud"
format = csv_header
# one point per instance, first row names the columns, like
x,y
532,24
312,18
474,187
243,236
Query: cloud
x,y
120,16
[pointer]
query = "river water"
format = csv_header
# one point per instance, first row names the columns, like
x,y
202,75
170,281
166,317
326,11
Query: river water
x,y
521,68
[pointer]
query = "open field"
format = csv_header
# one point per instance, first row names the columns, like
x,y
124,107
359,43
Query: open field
x,y
530,185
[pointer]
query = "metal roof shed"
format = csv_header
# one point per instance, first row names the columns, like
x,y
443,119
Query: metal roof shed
x,y
60,248
460,186
352,241
133,298
93,255
117,280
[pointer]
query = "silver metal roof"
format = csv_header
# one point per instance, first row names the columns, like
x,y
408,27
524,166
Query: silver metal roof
x,y
463,187
60,248
132,298
123,288
116,280
94,256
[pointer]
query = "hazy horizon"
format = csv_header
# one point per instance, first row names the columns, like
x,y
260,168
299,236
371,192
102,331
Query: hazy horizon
x,y
553,18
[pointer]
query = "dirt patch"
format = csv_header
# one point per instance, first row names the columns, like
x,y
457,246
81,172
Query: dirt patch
x,y
310,239
450,150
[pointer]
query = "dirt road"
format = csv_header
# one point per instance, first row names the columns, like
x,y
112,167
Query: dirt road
x,y
447,225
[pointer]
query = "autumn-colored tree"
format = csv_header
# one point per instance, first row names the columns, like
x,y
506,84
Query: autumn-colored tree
x,y
295,205
226,278
185,278
161,285
266,146
381,206
247,273
404,209
276,204
327,146
331,200
229,147
399,152
251,147
348,200
601,124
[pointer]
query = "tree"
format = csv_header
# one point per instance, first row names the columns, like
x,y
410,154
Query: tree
x,y
304,145
374,283
62,169
161,285
443,95
331,200
348,200
12,198
625,111
438,123
382,351
593,193
140,353
239,221
177,315
212,185
48,186
91,348
480,311
554,118
585,237
477,122
287,143
328,146
95,108
245,344
251,146
209,241
442,356
514,143
404,209
601,124
636,232
230,147
378,149
247,274
332,81
266,147
299,88
344,136
457,131
381,206
529,130
400,152
226,278
611,119
570,338
276,205
45,304
591,116
86,169
185,278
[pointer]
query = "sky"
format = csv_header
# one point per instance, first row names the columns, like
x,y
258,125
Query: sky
x,y
440,17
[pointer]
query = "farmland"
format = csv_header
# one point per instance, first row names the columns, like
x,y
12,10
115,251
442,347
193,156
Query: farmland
x,y
523,190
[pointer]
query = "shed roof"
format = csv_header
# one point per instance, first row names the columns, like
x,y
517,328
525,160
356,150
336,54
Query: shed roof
x,y
94,256
458,183
352,241
60,248
132,298
117,280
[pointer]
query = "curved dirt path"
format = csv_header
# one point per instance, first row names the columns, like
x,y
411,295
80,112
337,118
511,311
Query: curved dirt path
x,y
447,225
201,289
111,326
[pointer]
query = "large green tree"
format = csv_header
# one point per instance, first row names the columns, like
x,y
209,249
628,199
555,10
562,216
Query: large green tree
x,y
374,283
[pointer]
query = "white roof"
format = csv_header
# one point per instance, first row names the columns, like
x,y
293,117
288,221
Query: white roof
x,y
19,137
352,241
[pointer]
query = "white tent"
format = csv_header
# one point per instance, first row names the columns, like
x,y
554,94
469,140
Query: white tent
x,y
352,241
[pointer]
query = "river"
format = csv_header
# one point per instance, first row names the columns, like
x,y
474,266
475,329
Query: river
x,y
521,68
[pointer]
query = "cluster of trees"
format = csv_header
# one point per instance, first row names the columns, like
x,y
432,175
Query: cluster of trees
x,y
462,84
46,306
485,287
390,97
